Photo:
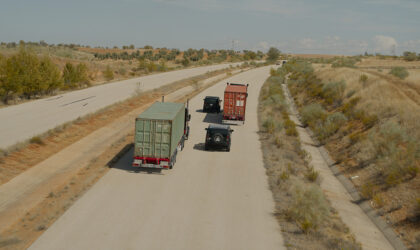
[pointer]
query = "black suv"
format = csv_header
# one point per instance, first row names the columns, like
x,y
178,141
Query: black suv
x,y
218,137
211,104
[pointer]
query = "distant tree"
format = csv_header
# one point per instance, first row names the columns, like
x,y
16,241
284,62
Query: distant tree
x,y
399,72
108,73
131,46
43,43
50,75
24,71
69,76
148,47
273,54
409,56
82,73
75,76
185,62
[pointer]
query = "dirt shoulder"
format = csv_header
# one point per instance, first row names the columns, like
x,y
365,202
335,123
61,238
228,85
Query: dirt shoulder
x,y
66,171
307,219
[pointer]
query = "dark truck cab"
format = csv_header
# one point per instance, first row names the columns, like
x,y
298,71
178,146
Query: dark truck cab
x,y
218,137
211,104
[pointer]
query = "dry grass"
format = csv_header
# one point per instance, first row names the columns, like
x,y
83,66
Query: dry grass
x,y
373,62
379,142
305,216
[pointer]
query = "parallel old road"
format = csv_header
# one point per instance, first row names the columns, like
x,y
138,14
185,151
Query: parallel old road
x,y
23,121
210,200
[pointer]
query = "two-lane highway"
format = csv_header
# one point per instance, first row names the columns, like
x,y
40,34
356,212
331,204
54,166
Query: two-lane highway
x,y
21,122
210,200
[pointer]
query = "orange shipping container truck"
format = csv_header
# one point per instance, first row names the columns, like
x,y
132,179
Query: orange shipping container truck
x,y
234,104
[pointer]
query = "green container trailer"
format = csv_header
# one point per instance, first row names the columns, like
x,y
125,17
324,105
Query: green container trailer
x,y
160,132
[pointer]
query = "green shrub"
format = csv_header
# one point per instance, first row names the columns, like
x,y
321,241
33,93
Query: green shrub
x,y
290,127
269,125
37,140
312,174
333,92
108,73
309,208
399,72
330,126
349,108
363,79
312,113
367,190
397,154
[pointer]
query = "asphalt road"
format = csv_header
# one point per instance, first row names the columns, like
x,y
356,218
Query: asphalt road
x,y
210,200
21,122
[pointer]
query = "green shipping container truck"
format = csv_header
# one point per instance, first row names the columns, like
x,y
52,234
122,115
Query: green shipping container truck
x,y
160,133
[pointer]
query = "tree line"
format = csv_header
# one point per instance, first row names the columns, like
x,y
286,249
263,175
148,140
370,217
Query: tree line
x,y
25,75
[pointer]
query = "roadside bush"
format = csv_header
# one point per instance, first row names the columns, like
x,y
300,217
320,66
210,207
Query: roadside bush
x,y
312,174
397,154
108,73
75,76
312,113
330,126
399,72
269,125
333,92
349,108
363,79
309,208
290,127
37,140
24,74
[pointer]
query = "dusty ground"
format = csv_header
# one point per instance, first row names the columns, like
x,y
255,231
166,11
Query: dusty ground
x,y
62,195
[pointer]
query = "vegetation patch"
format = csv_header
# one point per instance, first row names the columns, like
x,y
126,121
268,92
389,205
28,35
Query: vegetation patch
x,y
305,216
399,72
368,131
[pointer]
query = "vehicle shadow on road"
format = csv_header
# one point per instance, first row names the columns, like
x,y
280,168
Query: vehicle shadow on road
x,y
213,118
124,159
199,146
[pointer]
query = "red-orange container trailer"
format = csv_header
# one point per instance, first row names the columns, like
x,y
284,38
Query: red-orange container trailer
x,y
234,104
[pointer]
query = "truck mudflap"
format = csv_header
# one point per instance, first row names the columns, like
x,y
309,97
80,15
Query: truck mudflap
x,y
146,162
159,163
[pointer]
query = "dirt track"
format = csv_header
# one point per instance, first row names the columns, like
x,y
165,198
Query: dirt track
x,y
210,200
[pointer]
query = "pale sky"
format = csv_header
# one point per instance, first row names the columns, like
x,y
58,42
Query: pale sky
x,y
298,26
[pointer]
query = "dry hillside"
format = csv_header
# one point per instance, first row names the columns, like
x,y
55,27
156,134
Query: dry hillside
x,y
369,120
